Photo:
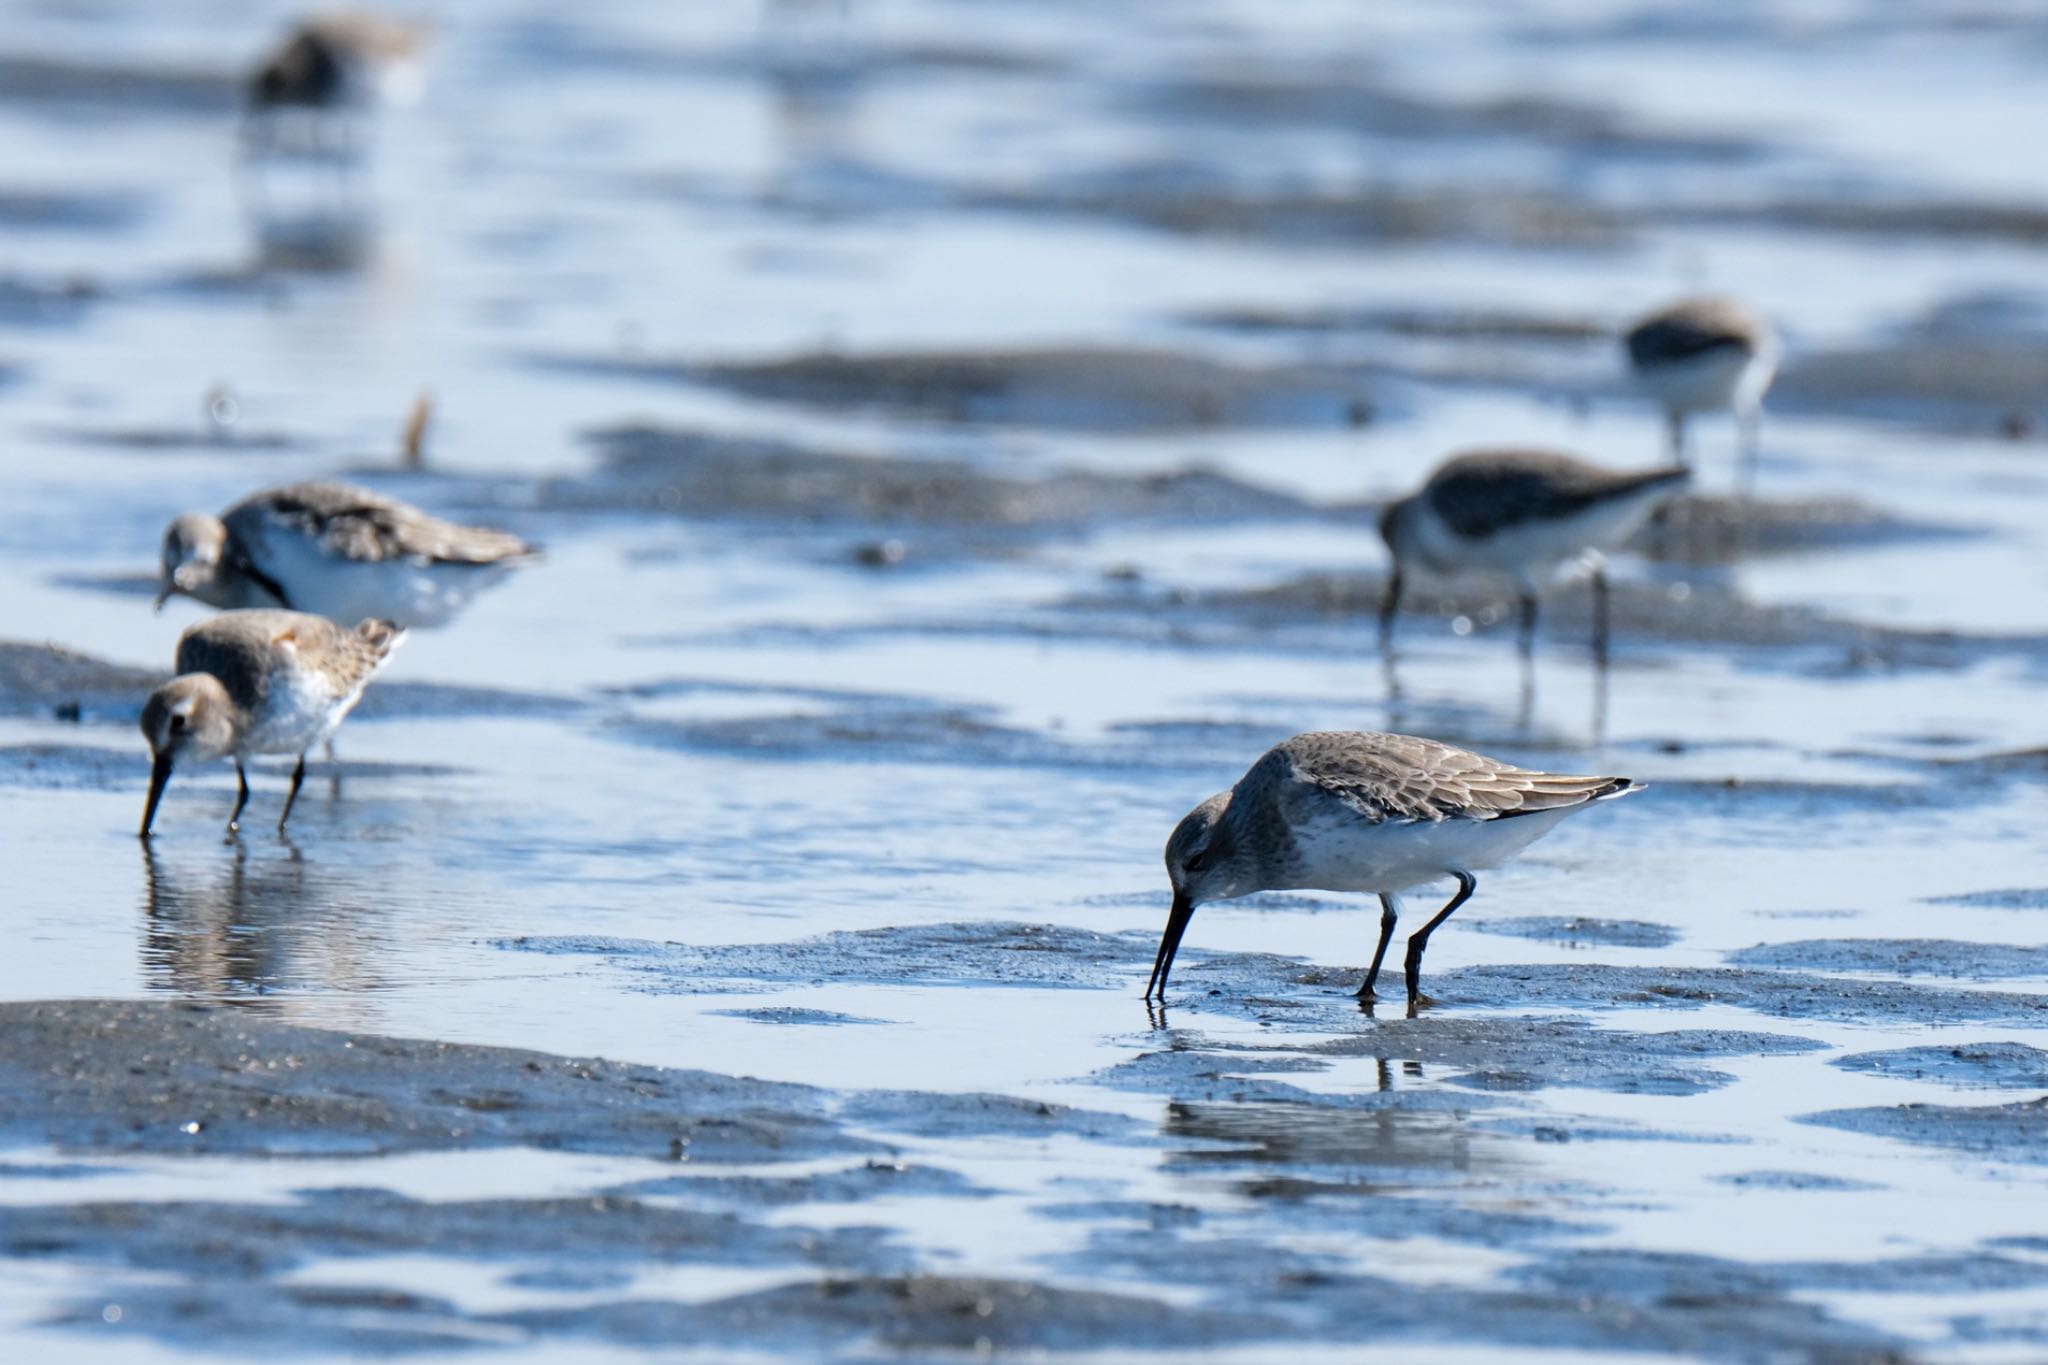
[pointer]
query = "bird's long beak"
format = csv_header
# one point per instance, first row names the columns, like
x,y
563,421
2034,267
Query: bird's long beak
x,y
159,774
1169,944
163,595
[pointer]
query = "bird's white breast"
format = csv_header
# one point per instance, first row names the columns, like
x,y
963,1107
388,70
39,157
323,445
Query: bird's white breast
x,y
408,591
1713,379
300,708
1346,853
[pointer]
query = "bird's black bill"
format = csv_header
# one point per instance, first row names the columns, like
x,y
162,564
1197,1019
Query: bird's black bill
x,y
1169,944
159,774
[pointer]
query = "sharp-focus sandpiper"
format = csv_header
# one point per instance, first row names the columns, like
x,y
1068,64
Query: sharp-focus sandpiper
x,y
1358,811
338,550
1702,355
1525,515
258,682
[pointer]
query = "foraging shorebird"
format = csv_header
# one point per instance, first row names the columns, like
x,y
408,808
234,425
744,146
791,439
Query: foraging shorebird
x,y
338,550
1359,811
258,682
1526,515
307,92
1702,355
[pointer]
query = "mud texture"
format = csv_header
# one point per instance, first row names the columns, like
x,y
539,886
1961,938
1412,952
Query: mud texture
x,y
1995,1066
702,476
147,1077
1086,390
2015,1132
1580,930
1900,957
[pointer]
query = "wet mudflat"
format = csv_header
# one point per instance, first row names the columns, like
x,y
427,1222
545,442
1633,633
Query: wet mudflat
x,y
727,938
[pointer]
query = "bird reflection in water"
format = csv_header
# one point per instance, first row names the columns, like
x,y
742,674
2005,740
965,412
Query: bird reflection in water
x,y
1304,1133
243,928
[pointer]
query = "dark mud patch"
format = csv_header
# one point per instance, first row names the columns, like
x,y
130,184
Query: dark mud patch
x,y
103,88
129,1076
1949,382
1579,929
1533,1054
1798,1181
1480,1054
872,1179
900,730
1473,325
2008,898
981,953
1694,612
30,302
1290,993
2003,1132
796,1014
1993,1066
209,1239
1343,97
1192,198
73,767
710,477
1077,389
837,1317
1900,957
44,680
65,211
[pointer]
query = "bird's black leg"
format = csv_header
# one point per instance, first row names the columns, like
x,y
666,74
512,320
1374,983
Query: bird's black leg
x,y
1390,607
1528,622
1467,884
1379,954
1600,616
1675,426
298,777
241,798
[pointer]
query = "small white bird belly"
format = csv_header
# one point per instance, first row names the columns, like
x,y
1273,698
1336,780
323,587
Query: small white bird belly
x,y
1349,854
1708,381
409,592
1536,550
300,709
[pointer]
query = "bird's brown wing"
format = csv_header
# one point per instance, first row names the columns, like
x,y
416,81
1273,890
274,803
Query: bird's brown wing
x,y
368,527
1400,777
1485,492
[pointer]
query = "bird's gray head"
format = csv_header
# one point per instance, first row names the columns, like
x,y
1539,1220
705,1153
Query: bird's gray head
x,y
190,563
189,717
1202,861
1397,528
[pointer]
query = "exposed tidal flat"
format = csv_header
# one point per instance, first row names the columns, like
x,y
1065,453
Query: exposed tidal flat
x,y
957,436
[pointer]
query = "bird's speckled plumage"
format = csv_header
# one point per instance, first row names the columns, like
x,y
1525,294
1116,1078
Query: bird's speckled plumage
x,y
258,682
254,652
1363,811
1484,492
338,550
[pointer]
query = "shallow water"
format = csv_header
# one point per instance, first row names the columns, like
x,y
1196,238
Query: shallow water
x,y
665,271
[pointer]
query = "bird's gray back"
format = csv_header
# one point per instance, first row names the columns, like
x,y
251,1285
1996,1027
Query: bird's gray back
x,y
243,649
365,526
1691,328
1484,492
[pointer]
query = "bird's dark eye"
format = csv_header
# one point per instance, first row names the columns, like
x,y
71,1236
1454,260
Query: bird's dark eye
x,y
1197,860
177,722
